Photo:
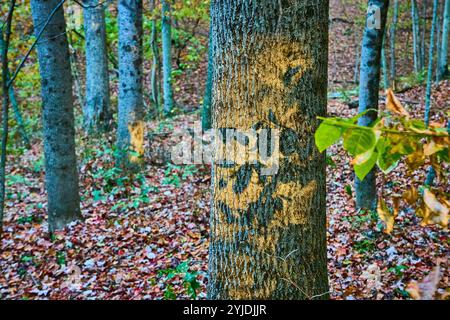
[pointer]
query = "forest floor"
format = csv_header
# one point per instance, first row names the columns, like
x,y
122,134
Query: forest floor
x,y
141,235
138,229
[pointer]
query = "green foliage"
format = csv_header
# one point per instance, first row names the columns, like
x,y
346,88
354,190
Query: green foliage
x,y
189,280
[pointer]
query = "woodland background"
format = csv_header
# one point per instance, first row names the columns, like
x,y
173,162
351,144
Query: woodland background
x,y
145,236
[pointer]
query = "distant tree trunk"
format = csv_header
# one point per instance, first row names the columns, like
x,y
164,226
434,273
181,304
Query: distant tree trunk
x,y
430,65
167,57
207,99
75,75
268,235
423,33
154,78
130,132
431,175
58,118
393,30
384,66
5,106
415,32
97,114
366,192
443,61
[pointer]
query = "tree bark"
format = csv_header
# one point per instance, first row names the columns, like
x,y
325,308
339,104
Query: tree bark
x,y
268,235
130,132
97,114
57,116
167,57
443,61
207,99
366,193
393,30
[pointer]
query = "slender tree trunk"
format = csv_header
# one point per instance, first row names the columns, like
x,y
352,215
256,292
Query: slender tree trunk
x,y
393,31
366,192
268,236
167,57
5,108
97,114
443,61
130,132
438,41
430,65
384,66
415,32
74,68
207,99
431,175
58,118
423,33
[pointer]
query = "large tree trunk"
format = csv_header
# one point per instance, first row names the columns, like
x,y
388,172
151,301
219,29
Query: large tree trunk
x,y
57,116
97,116
369,84
130,132
268,235
167,57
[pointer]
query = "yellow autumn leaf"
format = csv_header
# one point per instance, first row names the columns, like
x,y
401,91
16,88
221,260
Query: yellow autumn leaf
x,y
386,216
411,195
431,148
393,105
435,211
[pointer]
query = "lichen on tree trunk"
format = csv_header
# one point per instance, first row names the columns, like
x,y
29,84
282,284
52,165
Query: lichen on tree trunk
x,y
268,236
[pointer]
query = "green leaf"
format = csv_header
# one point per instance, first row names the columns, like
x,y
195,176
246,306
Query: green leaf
x,y
357,141
386,161
362,169
327,135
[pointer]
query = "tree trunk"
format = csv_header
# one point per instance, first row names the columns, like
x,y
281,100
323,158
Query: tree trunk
x,y
393,30
268,235
207,99
130,132
154,78
430,65
167,57
97,114
366,193
443,61
384,66
5,106
415,32
58,118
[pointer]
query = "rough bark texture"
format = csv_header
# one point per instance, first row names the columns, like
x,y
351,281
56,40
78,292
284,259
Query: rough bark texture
x,y
167,57
61,175
443,61
130,132
366,193
268,236
97,116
